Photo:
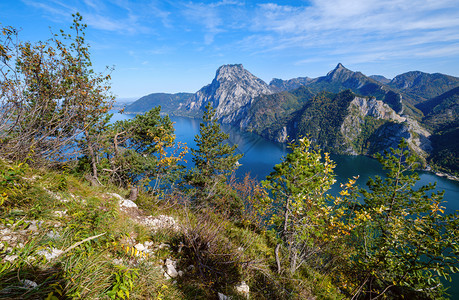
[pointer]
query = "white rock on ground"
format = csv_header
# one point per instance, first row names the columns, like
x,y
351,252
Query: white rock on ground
x,y
53,235
127,204
10,258
140,247
223,297
124,203
160,222
49,255
29,284
243,289
60,213
170,268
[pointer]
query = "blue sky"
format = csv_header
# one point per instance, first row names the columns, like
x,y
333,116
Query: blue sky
x,y
176,46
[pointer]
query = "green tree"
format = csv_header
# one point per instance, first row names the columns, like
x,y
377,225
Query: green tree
x,y
141,149
403,240
297,191
214,161
49,95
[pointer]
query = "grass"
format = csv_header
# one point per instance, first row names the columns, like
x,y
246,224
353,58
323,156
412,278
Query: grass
x,y
46,211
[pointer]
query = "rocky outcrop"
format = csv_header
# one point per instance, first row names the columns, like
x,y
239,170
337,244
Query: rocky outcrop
x,y
231,92
388,134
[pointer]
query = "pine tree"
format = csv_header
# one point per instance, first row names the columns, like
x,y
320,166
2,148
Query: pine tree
x,y
297,187
214,162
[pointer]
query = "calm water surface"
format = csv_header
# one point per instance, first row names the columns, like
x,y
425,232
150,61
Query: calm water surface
x,y
260,156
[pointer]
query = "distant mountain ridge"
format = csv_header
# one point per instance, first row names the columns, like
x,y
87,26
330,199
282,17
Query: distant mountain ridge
x,y
422,86
168,102
380,78
343,111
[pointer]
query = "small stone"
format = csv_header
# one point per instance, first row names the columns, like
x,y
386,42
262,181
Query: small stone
x,y
244,289
116,196
223,297
7,238
32,227
140,247
60,213
127,204
163,246
11,258
117,261
180,273
170,268
49,255
53,235
171,262
29,283
148,243
190,268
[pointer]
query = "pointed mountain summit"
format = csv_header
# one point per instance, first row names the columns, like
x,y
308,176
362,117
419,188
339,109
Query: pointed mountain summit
x,y
231,91
339,73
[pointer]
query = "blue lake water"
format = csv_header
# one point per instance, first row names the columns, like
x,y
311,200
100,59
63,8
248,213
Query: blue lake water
x,y
260,156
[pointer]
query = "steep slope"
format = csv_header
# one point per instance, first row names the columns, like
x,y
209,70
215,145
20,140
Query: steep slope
x,y
340,123
341,78
279,85
441,111
442,116
231,92
169,102
423,86
270,115
380,78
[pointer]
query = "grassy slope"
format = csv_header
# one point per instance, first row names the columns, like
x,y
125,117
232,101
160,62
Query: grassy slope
x,y
44,210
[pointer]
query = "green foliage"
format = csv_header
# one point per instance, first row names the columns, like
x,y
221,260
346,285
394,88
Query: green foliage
x,y
362,143
269,113
139,151
124,282
214,162
11,182
403,241
322,117
445,156
298,186
421,86
49,94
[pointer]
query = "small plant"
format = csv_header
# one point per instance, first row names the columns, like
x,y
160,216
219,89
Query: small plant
x,y
124,282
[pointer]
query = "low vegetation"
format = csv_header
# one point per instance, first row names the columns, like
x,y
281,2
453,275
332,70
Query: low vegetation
x,y
121,218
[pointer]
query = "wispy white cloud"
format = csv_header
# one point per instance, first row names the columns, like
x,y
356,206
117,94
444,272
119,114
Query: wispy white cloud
x,y
355,26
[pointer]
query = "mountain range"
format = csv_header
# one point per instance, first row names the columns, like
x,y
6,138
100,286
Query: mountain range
x,y
343,112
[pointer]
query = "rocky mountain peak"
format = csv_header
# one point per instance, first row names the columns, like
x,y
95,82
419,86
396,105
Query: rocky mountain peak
x,y
230,70
231,92
339,73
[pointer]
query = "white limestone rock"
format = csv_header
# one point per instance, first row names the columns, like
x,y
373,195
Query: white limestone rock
x,y
140,247
171,268
243,289
50,254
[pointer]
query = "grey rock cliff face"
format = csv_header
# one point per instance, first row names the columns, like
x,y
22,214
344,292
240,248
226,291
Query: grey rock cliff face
x,y
388,135
231,93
